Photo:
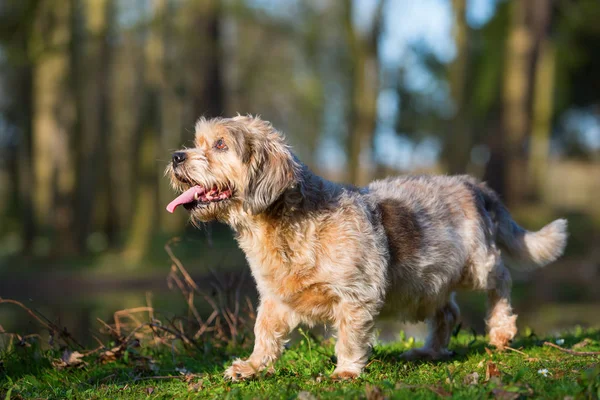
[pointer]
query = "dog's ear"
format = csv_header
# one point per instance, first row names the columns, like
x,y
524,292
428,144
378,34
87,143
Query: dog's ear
x,y
271,166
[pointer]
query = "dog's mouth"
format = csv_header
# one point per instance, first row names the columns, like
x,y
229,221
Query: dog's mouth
x,y
198,196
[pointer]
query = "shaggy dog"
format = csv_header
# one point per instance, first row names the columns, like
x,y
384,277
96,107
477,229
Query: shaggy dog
x,y
324,252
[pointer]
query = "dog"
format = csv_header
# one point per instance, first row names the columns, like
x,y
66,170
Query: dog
x,y
323,252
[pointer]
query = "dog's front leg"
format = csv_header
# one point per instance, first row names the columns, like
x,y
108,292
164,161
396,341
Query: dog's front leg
x,y
273,324
354,324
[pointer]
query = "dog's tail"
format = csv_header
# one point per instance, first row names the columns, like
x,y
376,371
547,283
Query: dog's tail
x,y
522,249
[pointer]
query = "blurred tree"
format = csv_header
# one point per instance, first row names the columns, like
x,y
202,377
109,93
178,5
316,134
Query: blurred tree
x,y
363,69
93,87
147,131
458,138
543,97
203,78
54,118
517,88
16,27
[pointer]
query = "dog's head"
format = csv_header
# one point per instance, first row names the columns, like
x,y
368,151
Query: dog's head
x,y
238,165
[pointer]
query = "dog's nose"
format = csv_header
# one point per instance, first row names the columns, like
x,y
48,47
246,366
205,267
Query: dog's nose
x,y
178,158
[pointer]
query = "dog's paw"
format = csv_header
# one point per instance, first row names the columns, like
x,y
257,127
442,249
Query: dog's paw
x,y
240,370
501,339
344,375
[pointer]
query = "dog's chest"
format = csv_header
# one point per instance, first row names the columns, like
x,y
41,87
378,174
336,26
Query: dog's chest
x,y
297,266
283,260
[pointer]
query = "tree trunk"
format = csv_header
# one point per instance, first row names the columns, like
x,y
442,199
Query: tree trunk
x,y
148,129
458,141
515,97
94,82
24,171
52,126
205,85
543,99
364,89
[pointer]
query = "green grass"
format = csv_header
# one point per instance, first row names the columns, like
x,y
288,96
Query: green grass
x,y
28,372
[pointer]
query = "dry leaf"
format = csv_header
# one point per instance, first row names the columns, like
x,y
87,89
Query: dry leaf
x,y
584,343
304,395
373,392
111,355
149,390
69,359
471,379
440,391
491,371
197,386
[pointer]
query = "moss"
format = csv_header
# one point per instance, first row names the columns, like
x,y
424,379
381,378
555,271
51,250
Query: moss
x,y
534,370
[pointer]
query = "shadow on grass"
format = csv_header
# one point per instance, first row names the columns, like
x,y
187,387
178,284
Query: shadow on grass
x,y
465,346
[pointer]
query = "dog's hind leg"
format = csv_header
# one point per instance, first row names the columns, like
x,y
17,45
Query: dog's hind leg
x,y
440,330
501,322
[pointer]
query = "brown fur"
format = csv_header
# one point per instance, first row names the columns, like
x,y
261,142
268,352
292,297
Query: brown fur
x,y
325,252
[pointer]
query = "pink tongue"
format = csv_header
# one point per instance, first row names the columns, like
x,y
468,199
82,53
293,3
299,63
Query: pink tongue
x,y
185,197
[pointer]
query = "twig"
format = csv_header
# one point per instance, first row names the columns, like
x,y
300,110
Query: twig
x,y
28,310
186,276
53,328
179,335
97,349
573,352
128,313
111,330
516,351
372,361
149,304
205,326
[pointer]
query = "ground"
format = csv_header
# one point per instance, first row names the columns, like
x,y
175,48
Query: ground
x,y
533,369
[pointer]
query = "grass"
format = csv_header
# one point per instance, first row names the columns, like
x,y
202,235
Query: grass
x,y
534,370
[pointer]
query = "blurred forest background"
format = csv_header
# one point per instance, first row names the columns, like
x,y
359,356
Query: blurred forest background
x,y
96,94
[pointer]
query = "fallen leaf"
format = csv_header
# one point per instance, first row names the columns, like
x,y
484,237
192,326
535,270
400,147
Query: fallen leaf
x,y
304,395
584,343
440,391
111,355
471,379
149,390
189,377
491,371
559,374
69,359
196,386
373,392
501,394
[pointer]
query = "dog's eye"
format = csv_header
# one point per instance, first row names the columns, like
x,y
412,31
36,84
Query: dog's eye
x,y
220,145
